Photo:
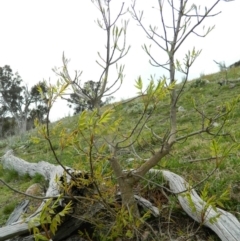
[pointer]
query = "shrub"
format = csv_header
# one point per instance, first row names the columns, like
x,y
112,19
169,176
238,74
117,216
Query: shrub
x,y
198,83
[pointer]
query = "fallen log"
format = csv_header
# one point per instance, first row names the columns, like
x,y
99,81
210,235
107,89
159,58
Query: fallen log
x,y
223,223
47,170
12,231
18,211
50,171
226,226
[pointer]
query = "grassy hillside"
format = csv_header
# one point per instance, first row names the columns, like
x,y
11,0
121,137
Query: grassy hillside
x,y
204,94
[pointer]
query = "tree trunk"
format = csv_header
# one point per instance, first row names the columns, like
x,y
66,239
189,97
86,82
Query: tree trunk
x,y
21,125
173,108
128,199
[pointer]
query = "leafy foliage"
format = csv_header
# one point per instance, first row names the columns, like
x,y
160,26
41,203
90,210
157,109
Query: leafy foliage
x,y
100,135
11,89
49,219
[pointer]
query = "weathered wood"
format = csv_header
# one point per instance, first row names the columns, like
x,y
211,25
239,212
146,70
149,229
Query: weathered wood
x,y
148,205
21,238
73,224
75,238
47,170
12,231
226,226
18,211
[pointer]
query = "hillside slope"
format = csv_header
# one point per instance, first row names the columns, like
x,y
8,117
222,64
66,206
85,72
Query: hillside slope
x,y
191,159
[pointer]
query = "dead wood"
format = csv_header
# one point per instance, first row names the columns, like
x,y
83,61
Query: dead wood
x,y
225,225
18,211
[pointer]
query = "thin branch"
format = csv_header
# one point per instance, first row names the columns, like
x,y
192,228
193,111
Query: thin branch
x,y
135,154
197,24
43,198
203,159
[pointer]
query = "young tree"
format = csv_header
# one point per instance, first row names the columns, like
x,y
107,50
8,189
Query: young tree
x,y
169,41
96,130
116,49
185,20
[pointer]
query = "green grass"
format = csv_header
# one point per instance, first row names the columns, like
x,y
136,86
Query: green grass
x,y
8,208
205,97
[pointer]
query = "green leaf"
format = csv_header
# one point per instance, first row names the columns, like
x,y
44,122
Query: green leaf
x,y
120,32
35,140
138,83
41,237
53,227
129,234
51,211
105,117
49,219
220,204
57,218
82,120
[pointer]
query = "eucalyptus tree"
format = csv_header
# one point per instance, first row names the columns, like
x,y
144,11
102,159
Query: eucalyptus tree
x,y
39,108
90,89
16,99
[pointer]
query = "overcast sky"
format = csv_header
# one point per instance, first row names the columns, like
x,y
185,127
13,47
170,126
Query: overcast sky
x,y
35,33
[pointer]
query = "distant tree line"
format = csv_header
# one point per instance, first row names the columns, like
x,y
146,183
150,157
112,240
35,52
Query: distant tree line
x,y
19,105
236,64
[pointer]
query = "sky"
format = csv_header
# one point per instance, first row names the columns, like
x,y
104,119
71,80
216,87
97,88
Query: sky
x,y
34,35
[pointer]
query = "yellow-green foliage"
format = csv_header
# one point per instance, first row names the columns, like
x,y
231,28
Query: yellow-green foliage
x,y
82,141
49,219
212,202
124,226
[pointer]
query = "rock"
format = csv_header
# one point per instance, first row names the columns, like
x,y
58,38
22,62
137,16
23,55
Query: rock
x,y
130,160
207,81
35,190
181,109
222,82
215,124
